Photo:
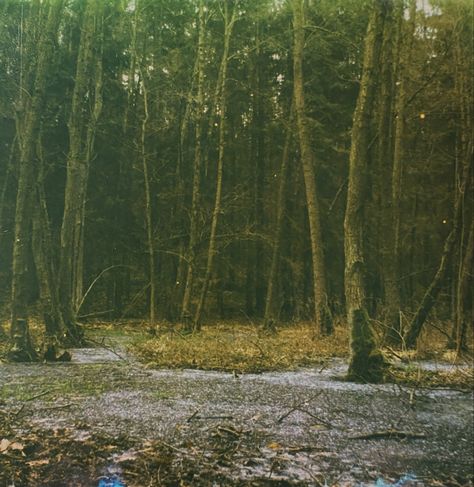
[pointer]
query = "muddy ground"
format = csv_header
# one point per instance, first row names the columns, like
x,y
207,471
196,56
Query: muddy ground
x,y
104,417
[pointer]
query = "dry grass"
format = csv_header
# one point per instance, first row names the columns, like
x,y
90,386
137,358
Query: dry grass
x,y
241,348
416,377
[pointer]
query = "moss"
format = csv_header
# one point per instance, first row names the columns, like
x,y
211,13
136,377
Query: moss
x,y
325,321
367,362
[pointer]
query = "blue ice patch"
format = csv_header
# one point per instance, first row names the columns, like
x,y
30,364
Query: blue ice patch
x,y
110,482
404,481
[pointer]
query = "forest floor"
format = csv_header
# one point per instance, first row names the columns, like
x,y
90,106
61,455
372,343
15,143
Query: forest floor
x,y
105,419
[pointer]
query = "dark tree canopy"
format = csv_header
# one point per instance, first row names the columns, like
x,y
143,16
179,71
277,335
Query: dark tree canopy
x,y
189,160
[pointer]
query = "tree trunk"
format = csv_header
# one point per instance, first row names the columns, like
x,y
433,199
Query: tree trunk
x,y
196,197
269,318
393,298
228,26
29,126
366,361
464,297
148,205
259,158
321,308
77,174
383,162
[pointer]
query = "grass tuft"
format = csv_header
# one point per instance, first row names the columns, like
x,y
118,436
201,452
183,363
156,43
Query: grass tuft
x,y
241,348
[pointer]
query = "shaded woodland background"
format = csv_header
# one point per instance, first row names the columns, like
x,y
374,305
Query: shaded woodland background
x,y
153,163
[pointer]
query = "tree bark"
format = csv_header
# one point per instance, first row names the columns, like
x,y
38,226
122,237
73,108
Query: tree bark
x,y
196,197
77,174
392,285
366,361
30,115
321,308
228,27
148,205
269,317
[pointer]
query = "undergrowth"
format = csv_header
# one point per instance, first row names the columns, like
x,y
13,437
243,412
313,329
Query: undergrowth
x,y
241,348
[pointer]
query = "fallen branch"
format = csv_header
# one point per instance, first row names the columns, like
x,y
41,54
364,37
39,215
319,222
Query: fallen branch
x,y
231,431
379,435
41,394
196,416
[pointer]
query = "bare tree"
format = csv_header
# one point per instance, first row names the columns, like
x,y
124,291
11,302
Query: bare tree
x,y
321,308
366,361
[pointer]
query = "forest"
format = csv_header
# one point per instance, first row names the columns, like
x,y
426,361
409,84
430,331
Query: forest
x,y
188,167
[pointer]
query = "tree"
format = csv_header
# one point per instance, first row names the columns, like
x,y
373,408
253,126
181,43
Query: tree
x,y
323,317
392,284
29,124
366,361
229,21
196,190
81,136
269,319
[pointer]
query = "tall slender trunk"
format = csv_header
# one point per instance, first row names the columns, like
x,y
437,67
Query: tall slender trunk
x,y
196,197
79,234
228,27
383,164
77,174
464,296
321,308
148,205
259,158
181,282
366,362
29,126
393,294
269,318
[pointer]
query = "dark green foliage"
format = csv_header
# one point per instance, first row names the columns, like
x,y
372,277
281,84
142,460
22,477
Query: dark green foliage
x,y
163,36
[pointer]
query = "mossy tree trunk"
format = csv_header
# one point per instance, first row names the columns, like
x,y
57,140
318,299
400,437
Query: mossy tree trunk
x,y
323,316
366,361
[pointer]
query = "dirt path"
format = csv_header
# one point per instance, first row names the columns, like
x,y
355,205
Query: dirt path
x,y
288,428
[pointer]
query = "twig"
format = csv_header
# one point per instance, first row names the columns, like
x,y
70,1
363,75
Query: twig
x,y
231,431
297,407
377,435
110,349
292,410
194,415
171,447
20,410
41,394
317,418
213,417
339,191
